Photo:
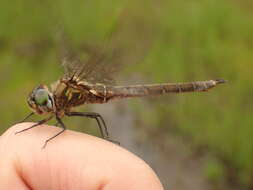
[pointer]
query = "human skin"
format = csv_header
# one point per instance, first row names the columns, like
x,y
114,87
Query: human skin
x,y
71,161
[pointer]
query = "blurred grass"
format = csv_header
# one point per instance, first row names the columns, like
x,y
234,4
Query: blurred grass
x,y
191,40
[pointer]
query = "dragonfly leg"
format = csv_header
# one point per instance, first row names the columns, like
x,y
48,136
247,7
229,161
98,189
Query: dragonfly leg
x,y
94,116
35,125
28,116
59,121
97,117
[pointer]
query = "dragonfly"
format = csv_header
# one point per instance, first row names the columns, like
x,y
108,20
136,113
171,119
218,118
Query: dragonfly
x,y
80,85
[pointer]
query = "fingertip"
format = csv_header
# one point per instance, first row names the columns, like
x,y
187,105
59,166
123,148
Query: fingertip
x,y
74,158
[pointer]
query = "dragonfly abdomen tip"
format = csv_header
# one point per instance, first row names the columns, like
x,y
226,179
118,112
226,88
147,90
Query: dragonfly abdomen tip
x,y
220,81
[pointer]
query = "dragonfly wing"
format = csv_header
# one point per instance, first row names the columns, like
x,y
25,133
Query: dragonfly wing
x,y
97,67
126,43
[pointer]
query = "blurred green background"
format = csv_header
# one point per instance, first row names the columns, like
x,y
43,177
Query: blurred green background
x,y
161,41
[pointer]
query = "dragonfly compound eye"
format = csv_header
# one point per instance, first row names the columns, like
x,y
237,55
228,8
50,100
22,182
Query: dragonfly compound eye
x,y
40,100
41,97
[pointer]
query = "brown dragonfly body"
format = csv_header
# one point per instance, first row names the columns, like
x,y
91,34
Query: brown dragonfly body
x,y
70,92
77,88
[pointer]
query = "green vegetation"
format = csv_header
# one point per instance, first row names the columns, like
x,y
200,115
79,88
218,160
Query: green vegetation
x,y
181,40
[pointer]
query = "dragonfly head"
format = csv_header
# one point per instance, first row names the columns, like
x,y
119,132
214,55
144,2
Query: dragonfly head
x,y
41,100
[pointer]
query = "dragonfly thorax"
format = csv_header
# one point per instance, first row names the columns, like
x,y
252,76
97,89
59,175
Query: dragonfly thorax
x,y
41,100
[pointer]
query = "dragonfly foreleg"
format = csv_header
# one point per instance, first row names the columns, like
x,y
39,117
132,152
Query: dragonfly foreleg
x,y
59,121
36,124
28,116
97,117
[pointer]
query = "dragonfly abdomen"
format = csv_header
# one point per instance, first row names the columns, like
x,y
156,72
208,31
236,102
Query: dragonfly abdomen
x,y
81,93
117,92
